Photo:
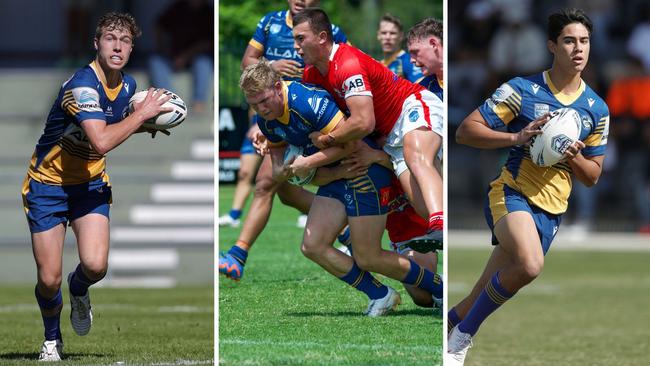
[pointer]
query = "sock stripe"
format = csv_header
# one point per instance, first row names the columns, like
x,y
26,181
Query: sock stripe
x,y
357,281
420,277
494,294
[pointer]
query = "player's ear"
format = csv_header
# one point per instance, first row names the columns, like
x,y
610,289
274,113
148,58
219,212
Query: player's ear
x,y
552,46
95,43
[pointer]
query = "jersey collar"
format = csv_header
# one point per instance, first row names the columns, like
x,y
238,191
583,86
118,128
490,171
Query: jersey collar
x,y
288,19
110,93
284,118
563,98
392,58
335,47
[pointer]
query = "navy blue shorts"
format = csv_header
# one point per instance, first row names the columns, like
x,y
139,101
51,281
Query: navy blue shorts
x,y
367,195
47,206
501,200
247,147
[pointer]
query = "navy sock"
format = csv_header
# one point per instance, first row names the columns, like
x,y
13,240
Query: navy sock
x,y
424,279
52,324
452,319
79,282
364,282
492,296
235,214
239,254
345,237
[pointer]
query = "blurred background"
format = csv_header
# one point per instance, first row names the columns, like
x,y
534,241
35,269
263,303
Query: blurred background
x,y
162,214
491,41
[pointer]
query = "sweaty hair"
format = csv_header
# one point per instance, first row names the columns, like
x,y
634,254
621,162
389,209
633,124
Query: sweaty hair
x,y
427,27
390,18
258,77
317,19
563,17
113,20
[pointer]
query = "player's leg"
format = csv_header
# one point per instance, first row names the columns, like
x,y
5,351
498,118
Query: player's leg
x,y
249,162
428,261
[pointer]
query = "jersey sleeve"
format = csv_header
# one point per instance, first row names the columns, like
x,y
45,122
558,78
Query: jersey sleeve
x,y
323,111
596,141
261,33
273,138
81,100
502,106
338,35
352,78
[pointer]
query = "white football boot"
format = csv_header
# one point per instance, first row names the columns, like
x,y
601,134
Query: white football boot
x,y
302,221
227,220
51,351
458,344
382,306
81,316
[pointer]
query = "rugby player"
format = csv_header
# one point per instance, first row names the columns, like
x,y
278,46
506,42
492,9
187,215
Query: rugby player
x,y
273,40
525,202
391,35
424,43
67,184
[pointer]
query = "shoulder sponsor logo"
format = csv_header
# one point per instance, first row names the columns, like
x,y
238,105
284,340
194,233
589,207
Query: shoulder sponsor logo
x,y
591,101
413,116
87,99
541,109
354,84
535,88
500,95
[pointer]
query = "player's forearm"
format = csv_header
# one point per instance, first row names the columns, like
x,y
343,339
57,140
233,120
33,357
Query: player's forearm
x,y
327,175
587,171
475,134
352,129
251,56
327,156
104,137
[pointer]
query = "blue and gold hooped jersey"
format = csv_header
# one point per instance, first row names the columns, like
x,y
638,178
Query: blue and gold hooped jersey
x,y
400,64
523,99
432,84
274,37
63,155
306,109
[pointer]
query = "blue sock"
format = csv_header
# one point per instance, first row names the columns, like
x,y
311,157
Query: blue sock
x,y
235,214
364,282
239,254
52,324
452,319
79,282
424,279
492,296
345,237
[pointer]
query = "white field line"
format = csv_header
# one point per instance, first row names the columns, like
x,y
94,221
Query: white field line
x,y
373,347
15,308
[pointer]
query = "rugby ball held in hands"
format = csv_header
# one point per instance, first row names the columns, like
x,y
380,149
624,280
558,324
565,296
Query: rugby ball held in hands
x,y
290,154
560,132
165,120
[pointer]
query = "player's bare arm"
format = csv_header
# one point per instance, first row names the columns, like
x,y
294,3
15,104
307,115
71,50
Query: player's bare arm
x,y
279,171
364,156
289,68
360,123
104,138
475,132
586,169
302,165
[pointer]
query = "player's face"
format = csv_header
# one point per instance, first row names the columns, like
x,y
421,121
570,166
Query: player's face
x,y
306,43
389,36
571,52
296,6
269,104
114,48
426,53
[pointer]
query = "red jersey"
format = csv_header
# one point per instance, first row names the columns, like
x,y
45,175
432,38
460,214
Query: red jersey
x,y
403,223
352,72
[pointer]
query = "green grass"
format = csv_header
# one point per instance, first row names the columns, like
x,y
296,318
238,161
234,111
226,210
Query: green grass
x,y
289,311
133,326
585,309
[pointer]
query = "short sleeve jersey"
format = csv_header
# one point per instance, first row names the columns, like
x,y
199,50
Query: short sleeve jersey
x,y
352,73
63,154
401,65
523,99
434,85
306,109
274,37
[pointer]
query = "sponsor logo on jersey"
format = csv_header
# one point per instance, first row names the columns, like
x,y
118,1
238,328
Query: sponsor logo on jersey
x,y
500,95
414,115
535,88
541,109
87,99
109,111
293,96
587,123
354,84
591,101
126,87
282,53
275,28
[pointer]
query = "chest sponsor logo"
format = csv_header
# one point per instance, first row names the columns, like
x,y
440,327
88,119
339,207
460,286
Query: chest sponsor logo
x,y
541,109
282,53
354,84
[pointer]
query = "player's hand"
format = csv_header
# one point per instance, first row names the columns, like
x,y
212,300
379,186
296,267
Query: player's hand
x,y
573,150
362,157
299,166
349,171
531,130
152,104
282,173
260,143
288,68
321,141
252,131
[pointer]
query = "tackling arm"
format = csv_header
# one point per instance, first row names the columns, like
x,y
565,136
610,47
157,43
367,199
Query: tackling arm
x,y
360,123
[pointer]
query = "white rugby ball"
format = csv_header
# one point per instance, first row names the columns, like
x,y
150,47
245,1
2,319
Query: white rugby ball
x,y
560,132
290,154
167,120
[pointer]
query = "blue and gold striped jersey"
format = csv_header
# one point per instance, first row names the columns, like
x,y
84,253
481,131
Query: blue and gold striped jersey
x,y
306,109
432,84
400,64
521,100
274,37
63,154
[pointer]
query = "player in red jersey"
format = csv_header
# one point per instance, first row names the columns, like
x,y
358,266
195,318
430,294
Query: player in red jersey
x,y
408,114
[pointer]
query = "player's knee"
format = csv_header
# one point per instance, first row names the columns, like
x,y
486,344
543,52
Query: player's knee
x,y
244,176
95,269
264,186
49,283
310,250
530,270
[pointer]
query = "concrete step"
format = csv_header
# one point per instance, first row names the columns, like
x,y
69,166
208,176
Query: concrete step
x,y
172,215
182,192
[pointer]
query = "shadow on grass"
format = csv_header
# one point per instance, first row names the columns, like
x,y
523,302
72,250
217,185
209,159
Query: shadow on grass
x,y
25,356
398,313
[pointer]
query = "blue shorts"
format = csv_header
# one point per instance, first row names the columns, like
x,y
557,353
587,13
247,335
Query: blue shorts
x,y
502,200
367,195
247,147
47,206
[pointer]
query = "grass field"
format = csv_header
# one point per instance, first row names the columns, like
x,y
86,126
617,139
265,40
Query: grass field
x,y
131,327
288,311
586,308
